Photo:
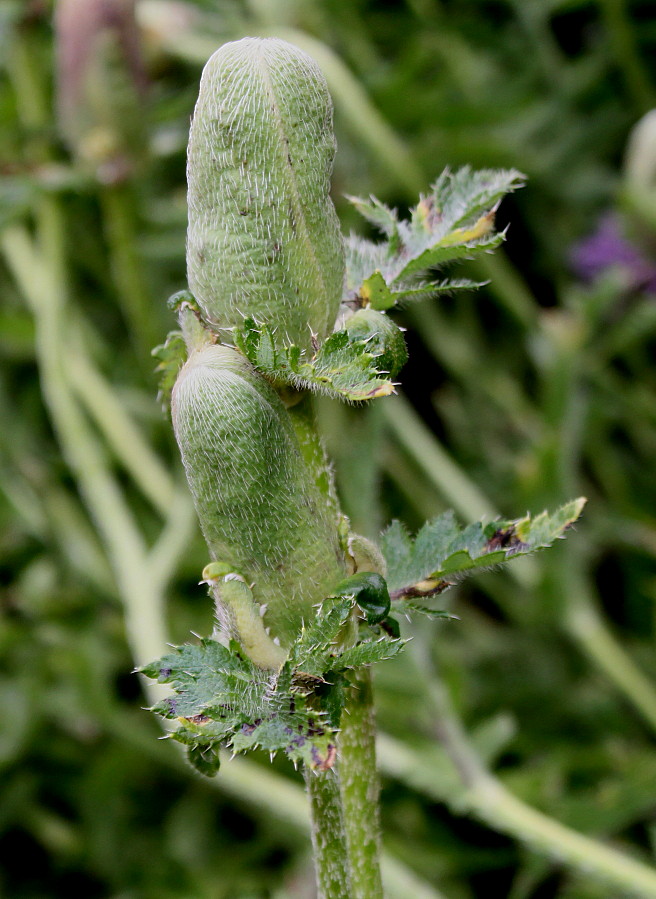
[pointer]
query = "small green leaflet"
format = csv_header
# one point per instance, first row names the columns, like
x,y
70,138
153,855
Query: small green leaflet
x,y
220,698
455,221
315,651
370,652
443,552
171,356
200,672
375,291
341,366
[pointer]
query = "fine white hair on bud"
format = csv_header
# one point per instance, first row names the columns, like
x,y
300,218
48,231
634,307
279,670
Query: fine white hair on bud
x,y
260,508
263,237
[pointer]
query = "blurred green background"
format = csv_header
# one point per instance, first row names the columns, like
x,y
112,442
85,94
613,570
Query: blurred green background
x,y
534,390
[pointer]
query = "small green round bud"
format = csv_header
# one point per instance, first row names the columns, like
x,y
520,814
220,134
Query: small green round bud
x,y
214,571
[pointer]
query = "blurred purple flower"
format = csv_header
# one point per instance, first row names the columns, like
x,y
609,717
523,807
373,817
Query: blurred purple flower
x,y
607,248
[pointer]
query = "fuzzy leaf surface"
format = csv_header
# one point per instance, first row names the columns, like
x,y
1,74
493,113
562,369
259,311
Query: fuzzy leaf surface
x,y
171,356
443,552
454,221
341,367
370,652
220,698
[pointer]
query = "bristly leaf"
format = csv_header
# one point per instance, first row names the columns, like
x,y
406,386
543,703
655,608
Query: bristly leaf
x,y
455,221
375,292
220,698
205,759
341,367
171,356
443,552
368,653
410,606
305,739
316,649
206,675
380,215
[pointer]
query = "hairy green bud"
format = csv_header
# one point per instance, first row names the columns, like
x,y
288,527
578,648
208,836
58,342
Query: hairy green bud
x,y
263,238
240,615
261,509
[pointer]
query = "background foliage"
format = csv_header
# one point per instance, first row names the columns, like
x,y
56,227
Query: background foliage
x,y
537,389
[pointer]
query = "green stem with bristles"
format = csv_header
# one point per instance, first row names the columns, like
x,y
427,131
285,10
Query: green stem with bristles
x,y
328,837
360,789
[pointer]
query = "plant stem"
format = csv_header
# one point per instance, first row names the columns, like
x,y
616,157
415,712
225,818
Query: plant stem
x,y
328,837
304,420
121,433
588,628
623,874
360,789
357,838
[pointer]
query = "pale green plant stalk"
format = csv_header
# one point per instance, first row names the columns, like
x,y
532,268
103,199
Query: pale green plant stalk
x,y
38,264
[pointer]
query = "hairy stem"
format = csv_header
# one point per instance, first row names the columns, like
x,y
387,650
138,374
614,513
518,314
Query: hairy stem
x,y
328,837
360,789
358,778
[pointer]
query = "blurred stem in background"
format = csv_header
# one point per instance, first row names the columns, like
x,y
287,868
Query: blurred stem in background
x,y
39,266
118,204
620,33
486,798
